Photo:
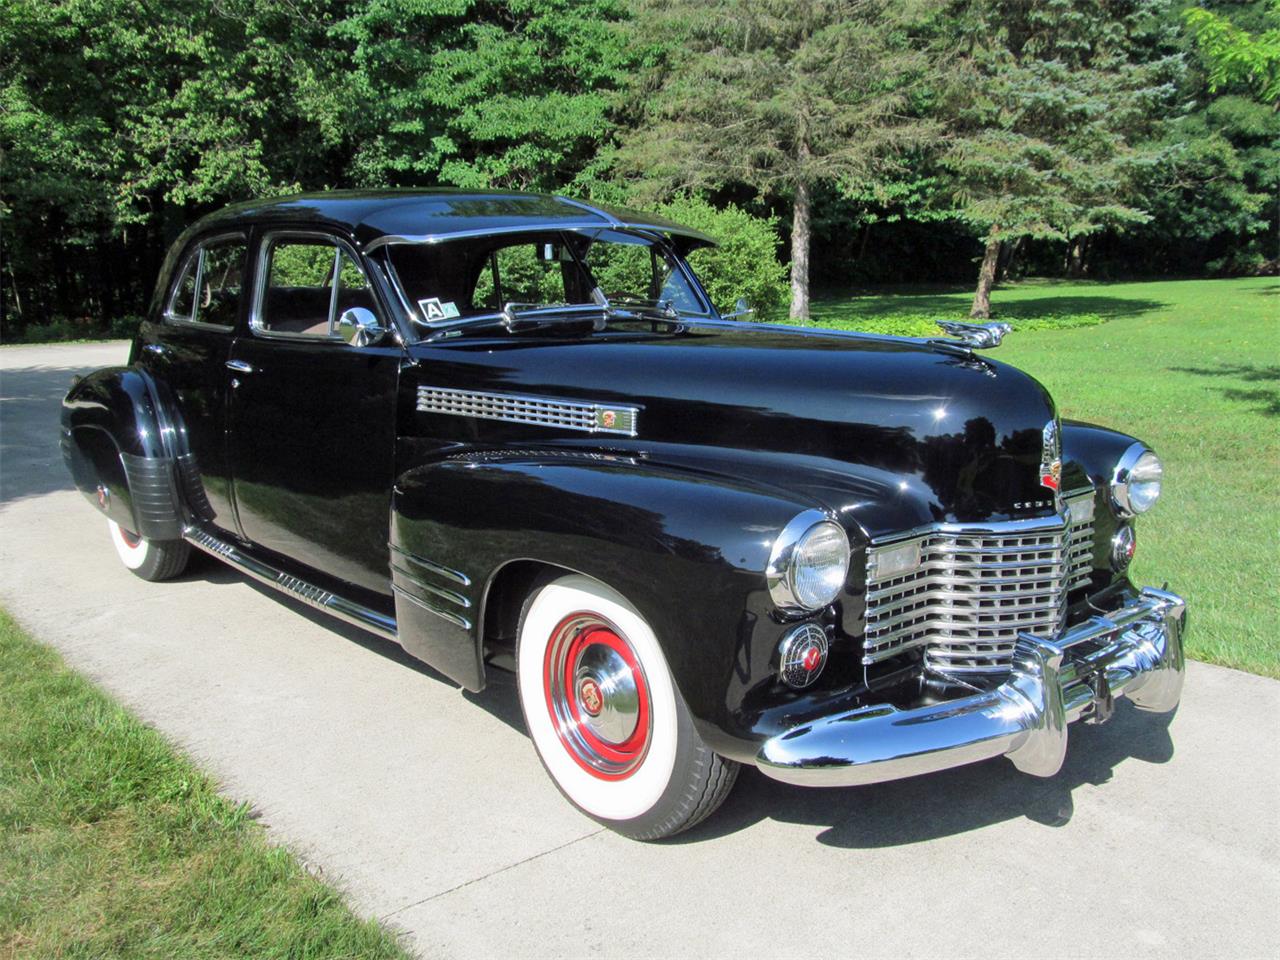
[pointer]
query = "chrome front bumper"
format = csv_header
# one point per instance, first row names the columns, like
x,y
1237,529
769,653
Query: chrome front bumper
x,y
1135,652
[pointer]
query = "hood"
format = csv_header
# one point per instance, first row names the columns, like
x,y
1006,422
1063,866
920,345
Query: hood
x,y
856,423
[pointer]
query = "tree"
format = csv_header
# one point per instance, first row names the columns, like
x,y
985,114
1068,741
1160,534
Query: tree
x,y
1052,114
1236,56
482,93
778,95
120,122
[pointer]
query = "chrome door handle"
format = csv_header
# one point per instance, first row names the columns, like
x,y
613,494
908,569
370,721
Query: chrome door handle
x,y
240,366
156,349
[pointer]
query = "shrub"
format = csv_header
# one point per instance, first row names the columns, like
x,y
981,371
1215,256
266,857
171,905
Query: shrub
x,y
746,262
921,325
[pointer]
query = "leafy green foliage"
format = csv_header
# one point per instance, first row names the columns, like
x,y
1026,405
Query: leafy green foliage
x,y
745,264
1049,114
1236,56
777,95
474,93
890,133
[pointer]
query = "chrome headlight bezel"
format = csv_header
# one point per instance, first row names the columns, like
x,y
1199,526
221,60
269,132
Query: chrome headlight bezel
x,y
1132,473
787,557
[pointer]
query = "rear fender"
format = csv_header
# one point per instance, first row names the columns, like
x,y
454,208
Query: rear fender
x,y
121,447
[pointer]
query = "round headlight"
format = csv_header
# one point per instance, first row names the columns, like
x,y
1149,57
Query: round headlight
x,y
1135,487
809,564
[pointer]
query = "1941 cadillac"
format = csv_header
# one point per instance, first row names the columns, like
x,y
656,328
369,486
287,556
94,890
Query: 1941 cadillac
x,y
512,432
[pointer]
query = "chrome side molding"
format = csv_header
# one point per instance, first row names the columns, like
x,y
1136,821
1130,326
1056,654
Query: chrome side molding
x,y
308,593
1025,718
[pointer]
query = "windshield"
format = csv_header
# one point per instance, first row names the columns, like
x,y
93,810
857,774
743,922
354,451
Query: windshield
x,y
450,283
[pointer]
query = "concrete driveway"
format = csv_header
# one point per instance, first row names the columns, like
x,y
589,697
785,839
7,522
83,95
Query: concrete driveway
x,y
429,807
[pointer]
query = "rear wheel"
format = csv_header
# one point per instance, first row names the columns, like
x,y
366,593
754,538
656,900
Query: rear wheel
x,y
605,717
149,559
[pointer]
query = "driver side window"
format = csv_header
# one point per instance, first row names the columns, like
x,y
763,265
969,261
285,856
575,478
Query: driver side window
x,y
309,283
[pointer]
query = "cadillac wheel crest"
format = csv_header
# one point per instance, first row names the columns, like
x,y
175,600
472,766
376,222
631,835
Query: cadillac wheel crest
x,y
1051,457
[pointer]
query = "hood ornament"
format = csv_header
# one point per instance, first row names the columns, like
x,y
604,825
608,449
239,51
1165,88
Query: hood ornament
x,y
975,336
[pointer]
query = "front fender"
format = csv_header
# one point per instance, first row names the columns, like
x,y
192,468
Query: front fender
x,y
687,549
118,443
1096,449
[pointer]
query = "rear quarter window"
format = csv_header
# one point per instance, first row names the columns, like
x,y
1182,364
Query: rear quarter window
x,y
210,285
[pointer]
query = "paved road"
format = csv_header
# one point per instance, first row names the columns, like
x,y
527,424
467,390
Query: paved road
x,y
428,806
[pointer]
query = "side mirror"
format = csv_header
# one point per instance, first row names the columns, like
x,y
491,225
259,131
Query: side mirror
x,y
740,309
360,328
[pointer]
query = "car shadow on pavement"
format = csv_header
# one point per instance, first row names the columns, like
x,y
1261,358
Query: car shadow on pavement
x,y
891,814
30,408
498,698
951,802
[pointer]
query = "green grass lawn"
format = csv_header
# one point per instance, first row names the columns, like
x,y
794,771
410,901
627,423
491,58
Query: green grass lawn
x,y
1190,367
113,845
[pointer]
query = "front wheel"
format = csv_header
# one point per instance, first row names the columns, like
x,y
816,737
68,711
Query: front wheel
x,y
149,559
605,717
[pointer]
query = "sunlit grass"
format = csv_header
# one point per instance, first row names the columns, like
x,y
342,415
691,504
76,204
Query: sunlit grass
x,y
114,845
1192,368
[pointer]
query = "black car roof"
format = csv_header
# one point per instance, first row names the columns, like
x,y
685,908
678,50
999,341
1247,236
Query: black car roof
x,y
379,217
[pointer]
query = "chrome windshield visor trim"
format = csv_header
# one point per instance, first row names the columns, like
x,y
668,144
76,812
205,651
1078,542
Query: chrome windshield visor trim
x,y
1138,655
567,226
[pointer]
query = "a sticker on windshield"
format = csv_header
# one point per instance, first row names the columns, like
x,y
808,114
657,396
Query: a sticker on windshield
x,y
433,309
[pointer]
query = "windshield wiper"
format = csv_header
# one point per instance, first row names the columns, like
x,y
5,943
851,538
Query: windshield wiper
x,y
520,316
514,317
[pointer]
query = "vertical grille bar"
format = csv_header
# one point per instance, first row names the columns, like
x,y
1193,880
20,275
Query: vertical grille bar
x,y
972,590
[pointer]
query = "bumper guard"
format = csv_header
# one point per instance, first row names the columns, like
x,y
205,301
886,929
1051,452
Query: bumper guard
x,y
1135,652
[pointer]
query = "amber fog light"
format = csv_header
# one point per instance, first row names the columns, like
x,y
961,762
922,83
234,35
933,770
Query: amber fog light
x,y
802,655
1123,545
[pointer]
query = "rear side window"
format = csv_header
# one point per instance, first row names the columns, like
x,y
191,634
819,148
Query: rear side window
x,y
210,285
309,284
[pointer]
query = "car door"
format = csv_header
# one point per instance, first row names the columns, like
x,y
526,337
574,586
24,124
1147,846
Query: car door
x,y
312,418
185,349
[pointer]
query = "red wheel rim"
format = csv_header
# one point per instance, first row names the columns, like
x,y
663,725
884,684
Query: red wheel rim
x,y
597,696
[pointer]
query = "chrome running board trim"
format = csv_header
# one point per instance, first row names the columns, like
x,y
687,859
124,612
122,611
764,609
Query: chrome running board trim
x,y
308,593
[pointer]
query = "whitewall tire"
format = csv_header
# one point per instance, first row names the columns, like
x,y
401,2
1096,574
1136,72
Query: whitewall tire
x,y
149,559
605,716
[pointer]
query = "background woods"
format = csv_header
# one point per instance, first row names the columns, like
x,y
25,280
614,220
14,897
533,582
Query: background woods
x,y
853,141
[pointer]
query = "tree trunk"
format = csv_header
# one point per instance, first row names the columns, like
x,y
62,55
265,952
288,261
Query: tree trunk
x,y
981,309
866,236
1075,259
800,230
1009,259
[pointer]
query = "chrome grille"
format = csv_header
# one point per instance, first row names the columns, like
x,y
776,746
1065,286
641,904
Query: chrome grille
x,y
965,593
537,411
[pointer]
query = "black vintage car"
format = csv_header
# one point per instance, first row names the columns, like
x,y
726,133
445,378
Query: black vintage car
x,y
511,432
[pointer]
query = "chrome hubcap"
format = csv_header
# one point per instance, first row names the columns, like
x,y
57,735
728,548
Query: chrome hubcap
x,y
607,694
597,696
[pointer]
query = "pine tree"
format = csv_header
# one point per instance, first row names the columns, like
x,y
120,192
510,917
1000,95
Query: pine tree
x,y
779,95
1052,107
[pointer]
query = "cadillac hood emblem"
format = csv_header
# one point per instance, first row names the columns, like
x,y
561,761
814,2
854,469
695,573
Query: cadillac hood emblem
x,y
1051,457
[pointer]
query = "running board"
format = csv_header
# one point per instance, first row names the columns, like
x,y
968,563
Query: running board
x,y
308,593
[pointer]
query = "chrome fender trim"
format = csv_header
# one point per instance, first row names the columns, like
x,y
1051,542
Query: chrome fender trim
x,y
1026,718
